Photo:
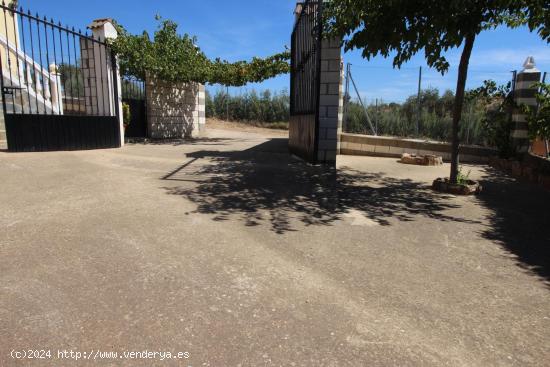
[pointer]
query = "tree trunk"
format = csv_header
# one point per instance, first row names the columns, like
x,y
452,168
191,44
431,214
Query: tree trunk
x,y
459,101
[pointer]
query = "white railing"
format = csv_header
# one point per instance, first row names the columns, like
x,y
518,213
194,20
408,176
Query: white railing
x,y
42,86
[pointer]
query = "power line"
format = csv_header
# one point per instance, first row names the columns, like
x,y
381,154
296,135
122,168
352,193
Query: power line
x,y
384,67
415,68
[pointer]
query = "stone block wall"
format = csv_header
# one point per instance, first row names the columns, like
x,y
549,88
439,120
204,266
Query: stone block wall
x,y
331,101
388,146
91,76
174,110
530,168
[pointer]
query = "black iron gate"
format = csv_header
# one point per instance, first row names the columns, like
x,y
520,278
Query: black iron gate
x,y
133,94
59,85
305,80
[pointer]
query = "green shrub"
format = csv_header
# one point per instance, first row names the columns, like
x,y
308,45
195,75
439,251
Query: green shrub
x,y
126,114
496,122
463,178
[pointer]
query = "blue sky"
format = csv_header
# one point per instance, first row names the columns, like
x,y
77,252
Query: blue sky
x,y
241,29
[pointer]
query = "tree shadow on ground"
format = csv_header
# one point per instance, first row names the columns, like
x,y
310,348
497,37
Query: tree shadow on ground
x,y
265,185
519,220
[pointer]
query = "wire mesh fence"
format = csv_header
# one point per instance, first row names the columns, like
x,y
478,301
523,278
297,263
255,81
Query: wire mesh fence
x,y
415,102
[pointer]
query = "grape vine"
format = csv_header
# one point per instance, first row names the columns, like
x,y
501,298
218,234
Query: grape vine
x,y
177,58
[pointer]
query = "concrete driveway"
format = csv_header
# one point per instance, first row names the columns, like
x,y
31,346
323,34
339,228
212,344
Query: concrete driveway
x,y
230,253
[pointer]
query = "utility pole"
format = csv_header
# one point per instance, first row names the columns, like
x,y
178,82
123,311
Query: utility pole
x,y
377,115
546,148
227,103
246,104
346,97
418,107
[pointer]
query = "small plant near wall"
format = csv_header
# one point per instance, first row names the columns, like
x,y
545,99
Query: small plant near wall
x,y
463,186
463,178
126,114
538,118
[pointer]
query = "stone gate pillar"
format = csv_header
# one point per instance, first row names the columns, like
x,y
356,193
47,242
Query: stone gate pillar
x,y
175,110
524,94
331,101
316,78
100,81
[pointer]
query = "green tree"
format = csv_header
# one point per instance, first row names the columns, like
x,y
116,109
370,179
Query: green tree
x,y
497,104
177,58
402,28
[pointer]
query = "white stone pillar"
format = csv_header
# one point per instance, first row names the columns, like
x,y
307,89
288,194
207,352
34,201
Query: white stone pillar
x,y
101,82
55,87
201,107
524,94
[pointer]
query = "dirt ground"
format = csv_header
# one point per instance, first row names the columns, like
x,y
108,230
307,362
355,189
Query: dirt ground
x,y
214,123
228,249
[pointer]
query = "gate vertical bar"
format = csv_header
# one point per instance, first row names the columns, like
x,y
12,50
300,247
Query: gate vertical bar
x,y
116,80
8,59
41,75
101,76
47,65
77,71
27,74
15,33
33,65
70,69
319,20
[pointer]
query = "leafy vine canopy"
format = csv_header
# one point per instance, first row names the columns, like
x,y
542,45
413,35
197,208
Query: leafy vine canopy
x,y
177,58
